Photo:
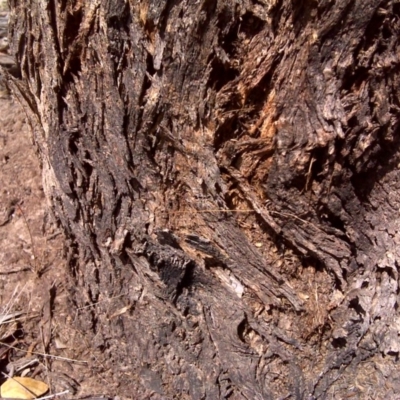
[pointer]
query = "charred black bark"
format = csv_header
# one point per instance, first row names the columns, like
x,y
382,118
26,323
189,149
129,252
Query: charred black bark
x,y
231,168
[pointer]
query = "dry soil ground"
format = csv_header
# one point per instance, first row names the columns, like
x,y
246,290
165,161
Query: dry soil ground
x,y
34,280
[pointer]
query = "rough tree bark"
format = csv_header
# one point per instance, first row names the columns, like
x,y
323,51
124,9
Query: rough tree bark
x,y
231,168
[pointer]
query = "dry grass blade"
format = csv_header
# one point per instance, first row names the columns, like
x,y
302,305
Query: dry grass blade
x,y
51,396
45,355
7,315
7,308
6,318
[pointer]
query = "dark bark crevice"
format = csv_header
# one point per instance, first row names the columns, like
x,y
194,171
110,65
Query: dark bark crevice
x,y
231,168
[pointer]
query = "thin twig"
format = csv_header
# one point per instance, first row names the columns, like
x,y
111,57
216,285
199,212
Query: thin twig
x,y
50,396
19,319
298,218
45,355
11,302
7,308
15,271
249,211
46,362
7,318
309,174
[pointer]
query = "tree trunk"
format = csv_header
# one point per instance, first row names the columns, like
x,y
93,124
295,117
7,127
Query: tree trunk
x,y
230,170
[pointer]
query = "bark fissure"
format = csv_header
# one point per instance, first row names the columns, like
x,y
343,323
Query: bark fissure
x,y
231,167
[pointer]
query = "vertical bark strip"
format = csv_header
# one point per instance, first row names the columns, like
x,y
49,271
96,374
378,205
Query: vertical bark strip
x,y
231,168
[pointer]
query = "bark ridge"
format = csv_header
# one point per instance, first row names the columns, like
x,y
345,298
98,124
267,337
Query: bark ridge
x,y
232,169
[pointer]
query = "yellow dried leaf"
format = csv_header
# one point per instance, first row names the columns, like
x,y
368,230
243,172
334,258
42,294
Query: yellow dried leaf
x,y
303,296
121,311
15,388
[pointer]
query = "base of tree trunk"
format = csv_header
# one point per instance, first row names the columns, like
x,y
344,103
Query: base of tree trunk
x,y
230,169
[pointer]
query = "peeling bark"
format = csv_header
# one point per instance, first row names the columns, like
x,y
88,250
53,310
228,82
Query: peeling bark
x,y
231,168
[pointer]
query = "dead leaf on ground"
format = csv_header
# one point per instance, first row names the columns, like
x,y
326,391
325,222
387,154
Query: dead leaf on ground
x,y
23,388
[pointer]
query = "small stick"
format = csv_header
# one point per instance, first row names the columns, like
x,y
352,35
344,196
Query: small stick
x,y
309,174
250,211
45,355
50,396
15,271
46,361
298,218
